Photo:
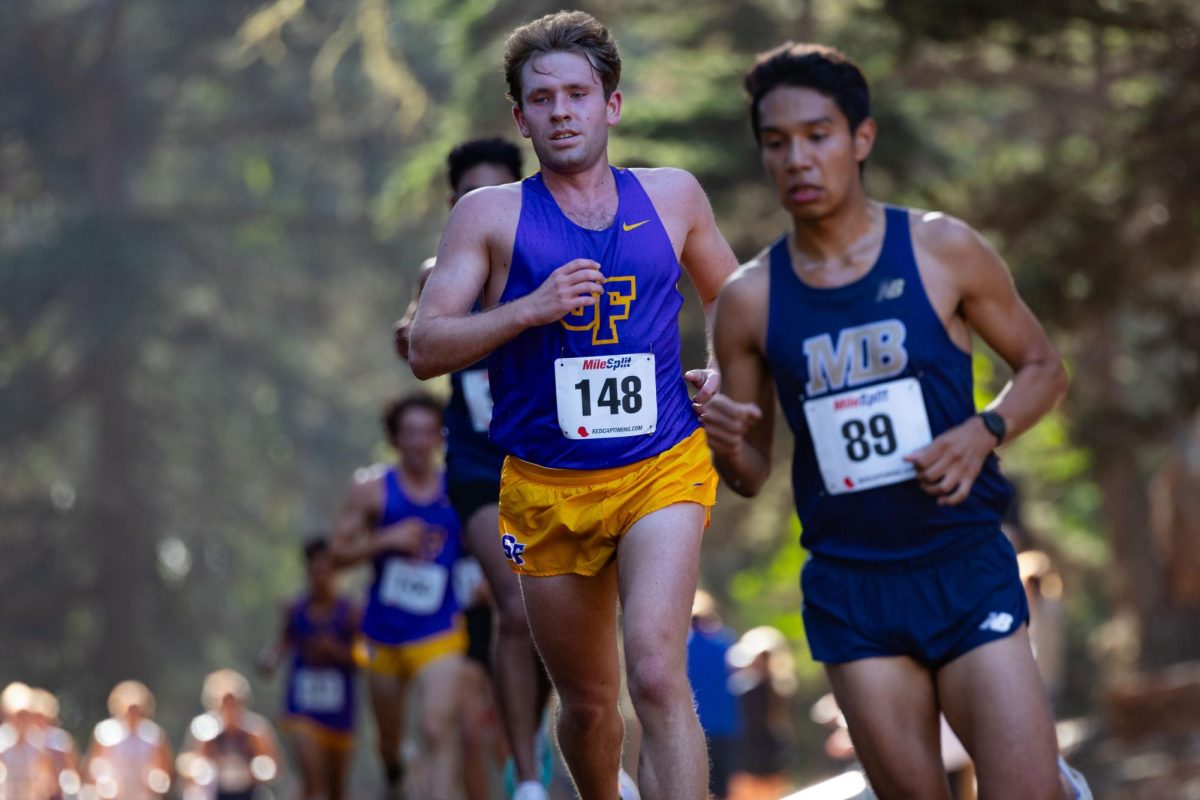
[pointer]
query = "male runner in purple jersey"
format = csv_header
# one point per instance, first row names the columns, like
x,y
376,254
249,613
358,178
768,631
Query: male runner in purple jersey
x,y
607,485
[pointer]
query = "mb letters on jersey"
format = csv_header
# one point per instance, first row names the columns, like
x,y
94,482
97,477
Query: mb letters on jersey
x,y
863,354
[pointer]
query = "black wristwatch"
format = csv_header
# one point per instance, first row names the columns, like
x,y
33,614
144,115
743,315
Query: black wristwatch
x,y
995,425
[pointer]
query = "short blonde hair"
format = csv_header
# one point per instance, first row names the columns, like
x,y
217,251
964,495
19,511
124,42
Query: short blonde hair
x,y
127,694
45,703
16,697
224,682
765,640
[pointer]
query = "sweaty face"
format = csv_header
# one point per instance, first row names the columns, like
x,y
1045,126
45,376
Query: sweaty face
x,y
419,437
482,175
808,150
563,111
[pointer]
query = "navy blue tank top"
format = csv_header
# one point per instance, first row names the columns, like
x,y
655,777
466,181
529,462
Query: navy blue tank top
x,y
471,456
575,394
412,596
849,353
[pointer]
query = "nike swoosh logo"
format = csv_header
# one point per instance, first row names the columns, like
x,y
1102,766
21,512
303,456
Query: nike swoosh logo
x,y
626,227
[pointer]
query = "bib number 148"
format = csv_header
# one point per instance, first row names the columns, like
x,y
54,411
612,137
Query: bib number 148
x,y
627,398
603,397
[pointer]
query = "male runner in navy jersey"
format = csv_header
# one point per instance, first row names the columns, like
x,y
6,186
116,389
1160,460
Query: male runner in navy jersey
x,y
862,317
473,476
607,485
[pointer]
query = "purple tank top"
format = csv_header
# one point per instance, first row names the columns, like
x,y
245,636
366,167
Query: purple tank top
x,y
603,387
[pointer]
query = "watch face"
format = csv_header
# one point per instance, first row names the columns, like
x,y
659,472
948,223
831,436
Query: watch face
x,y
995,424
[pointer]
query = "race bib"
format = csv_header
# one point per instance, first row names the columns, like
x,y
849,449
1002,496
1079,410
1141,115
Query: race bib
x,y
413,586
478,394
320,691
862,436
606,397
466,578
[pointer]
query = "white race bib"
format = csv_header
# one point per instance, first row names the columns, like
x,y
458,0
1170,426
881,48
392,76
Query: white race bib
x,y
467,577
478,394
413,586
862,436
602,397
319,691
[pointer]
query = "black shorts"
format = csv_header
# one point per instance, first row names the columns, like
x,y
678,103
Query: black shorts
x,y
468,497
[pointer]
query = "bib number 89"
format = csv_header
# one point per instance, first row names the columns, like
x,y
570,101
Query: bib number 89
x,y
879,427
628,398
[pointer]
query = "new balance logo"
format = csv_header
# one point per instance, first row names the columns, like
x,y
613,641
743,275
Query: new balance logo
x,y
998,622
890,290
512,549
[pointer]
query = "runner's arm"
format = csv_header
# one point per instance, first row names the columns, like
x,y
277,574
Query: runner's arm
x,y
445,336
708,261
344,655
949,465
354,541
272,654
740,421
265,744
403,326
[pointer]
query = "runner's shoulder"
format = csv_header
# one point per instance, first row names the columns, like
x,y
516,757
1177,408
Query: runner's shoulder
x,y
489,210
943,236
749,285
366,484
489,203
668,183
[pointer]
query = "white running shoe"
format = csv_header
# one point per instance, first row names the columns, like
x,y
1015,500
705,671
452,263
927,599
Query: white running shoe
x,y
629,790
1074,778
530,790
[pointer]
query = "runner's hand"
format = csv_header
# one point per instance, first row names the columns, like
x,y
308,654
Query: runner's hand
x,y
573,285
404,537
726,422
707,383
948,466
400,333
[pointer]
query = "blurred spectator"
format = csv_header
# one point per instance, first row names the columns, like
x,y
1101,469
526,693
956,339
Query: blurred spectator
x,y
26,768
57,743
1047,617
764,682
130,755
709,673
230,750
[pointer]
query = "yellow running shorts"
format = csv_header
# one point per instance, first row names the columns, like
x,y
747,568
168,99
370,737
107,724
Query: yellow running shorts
x,y
561,521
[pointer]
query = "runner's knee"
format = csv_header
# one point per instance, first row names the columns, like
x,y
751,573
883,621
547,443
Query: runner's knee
x,y
657,683
437,724
587,710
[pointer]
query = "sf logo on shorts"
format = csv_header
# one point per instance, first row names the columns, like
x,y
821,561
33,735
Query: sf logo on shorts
x,y
512,549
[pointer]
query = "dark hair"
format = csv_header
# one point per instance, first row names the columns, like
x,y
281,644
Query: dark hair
x,y
467,155
812,66
314,547
565,31
393,412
